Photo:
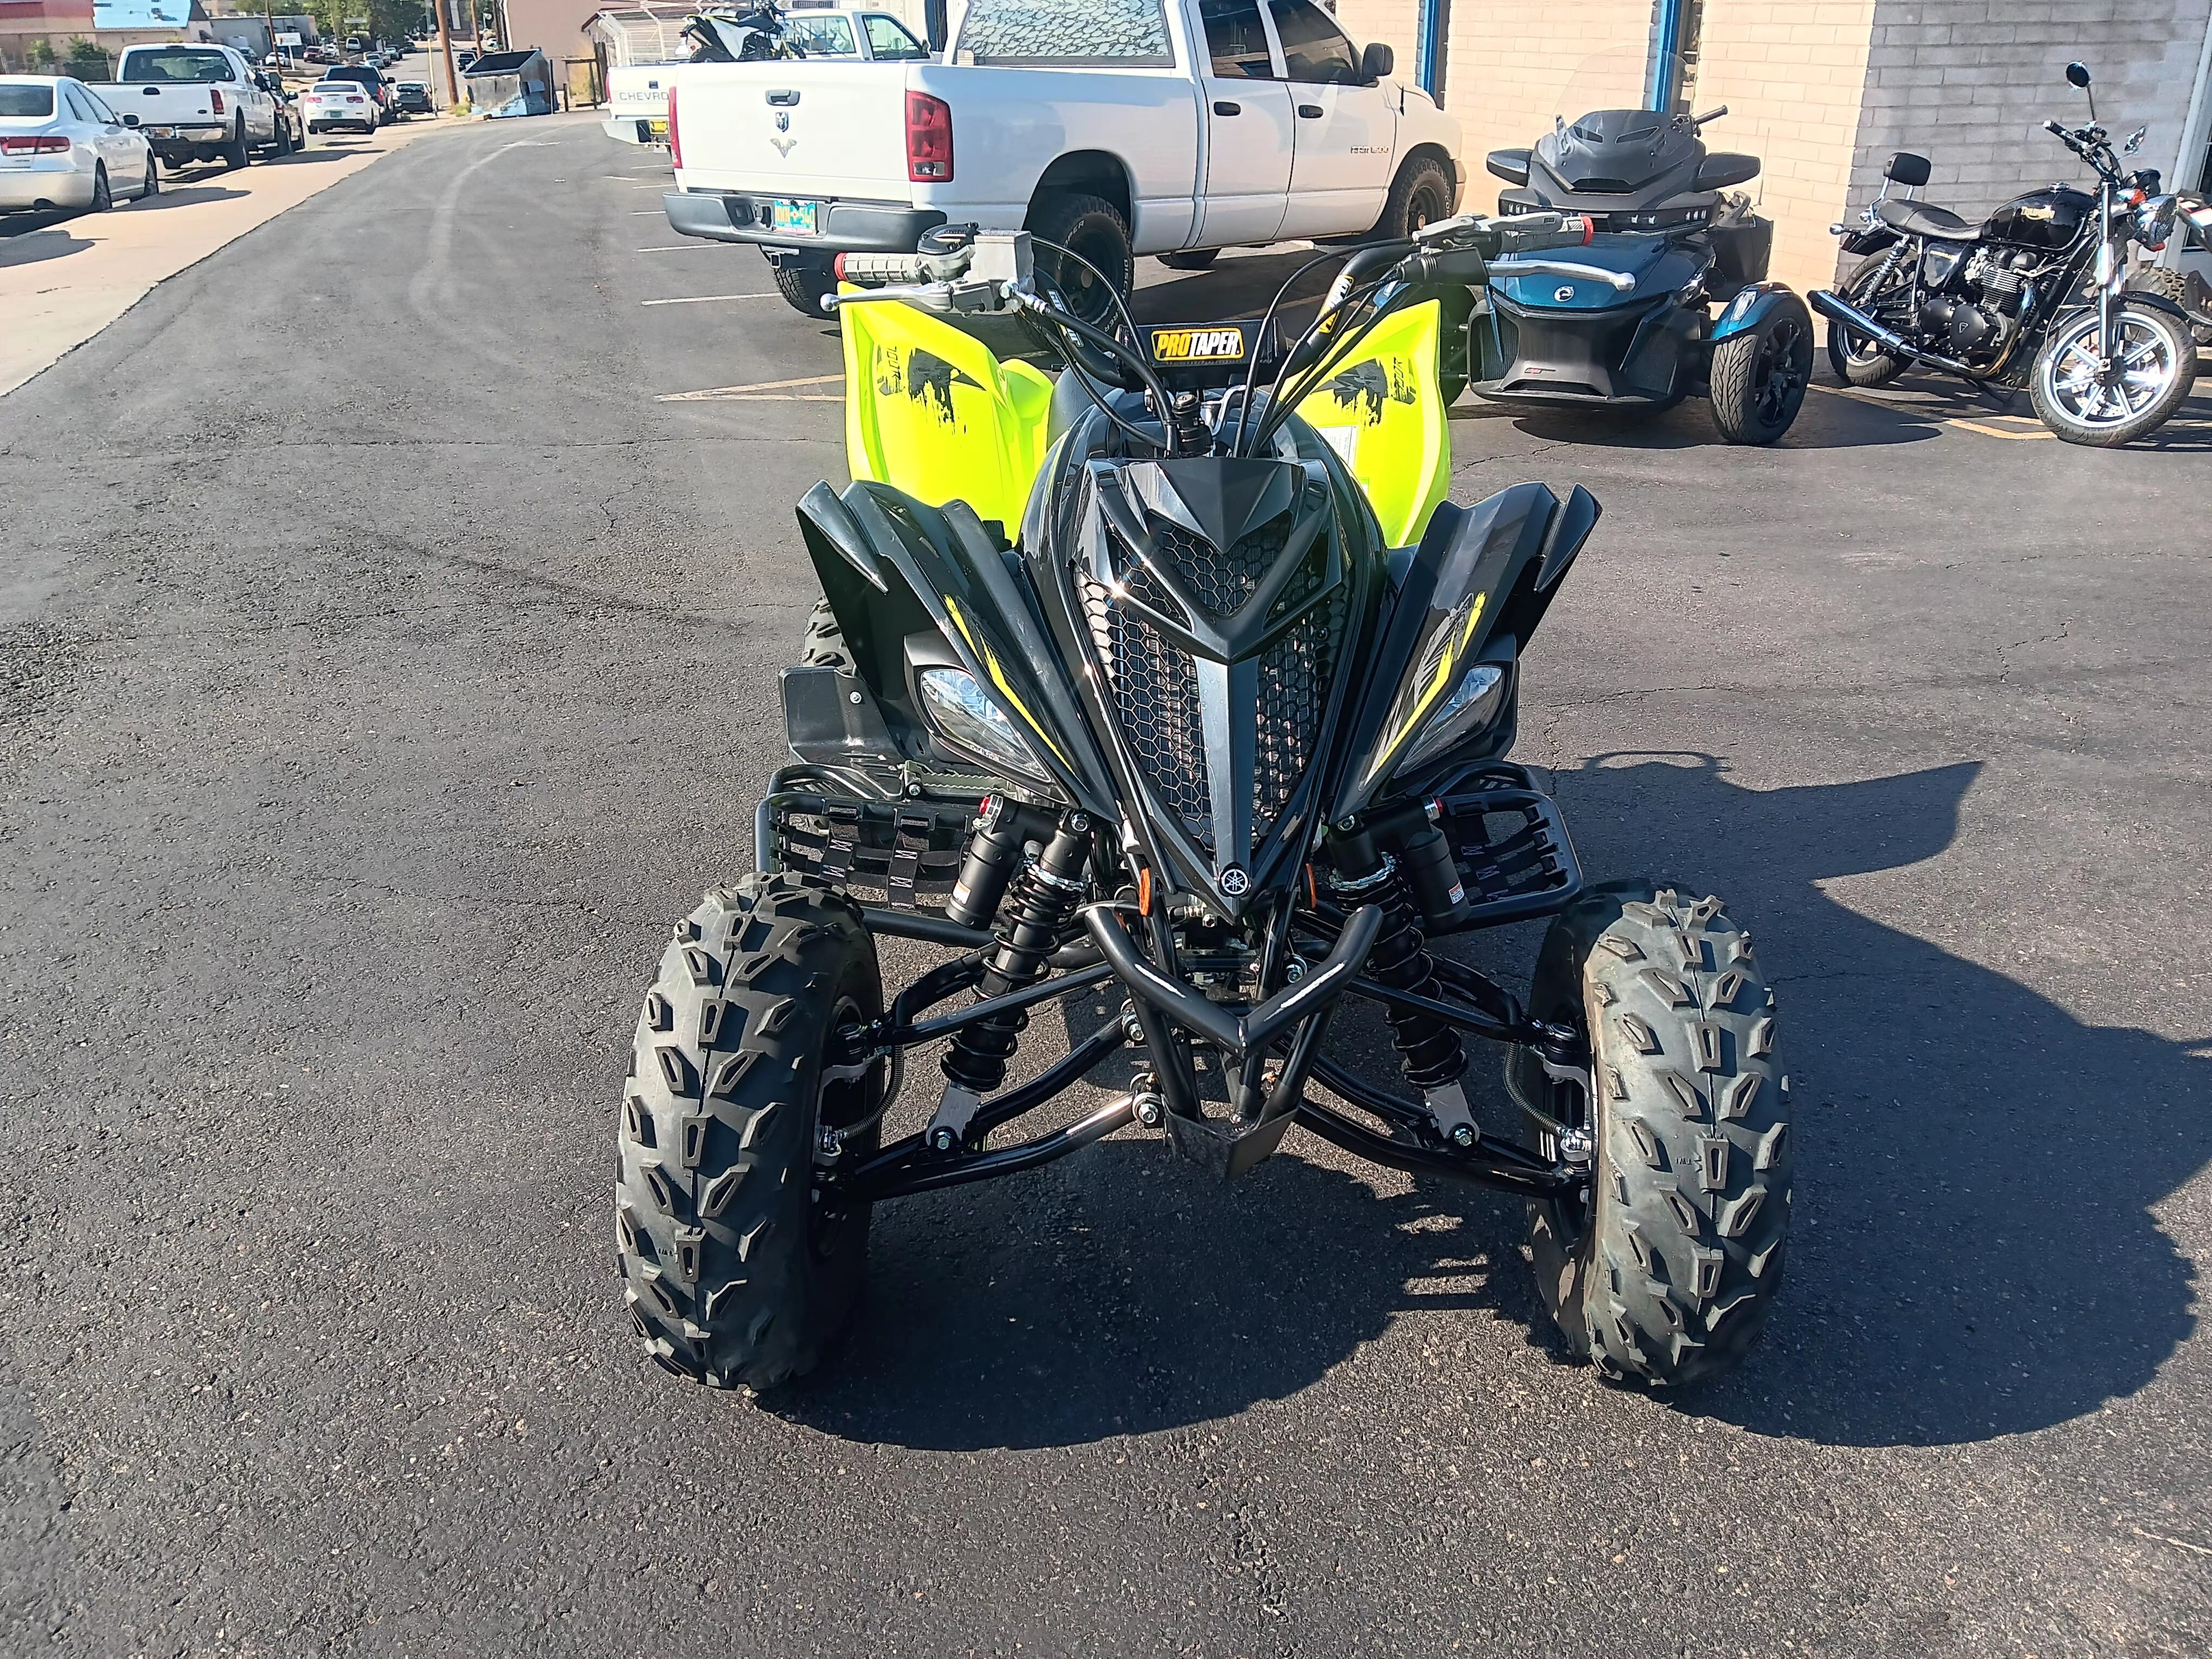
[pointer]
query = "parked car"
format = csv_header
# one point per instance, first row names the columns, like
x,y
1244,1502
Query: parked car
x,y
371,82
197,102
637,94
319,54
413,98
1177,129
62,147
330,105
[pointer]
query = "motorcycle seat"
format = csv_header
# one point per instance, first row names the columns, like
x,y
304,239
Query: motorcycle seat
x,y
1920,219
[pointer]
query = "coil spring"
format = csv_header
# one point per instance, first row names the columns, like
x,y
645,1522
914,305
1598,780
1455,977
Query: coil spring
x,y
1429,1050
1028,932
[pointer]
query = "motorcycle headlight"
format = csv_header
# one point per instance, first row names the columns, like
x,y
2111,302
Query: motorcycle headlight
x,y
2155,222
967,720
1473,704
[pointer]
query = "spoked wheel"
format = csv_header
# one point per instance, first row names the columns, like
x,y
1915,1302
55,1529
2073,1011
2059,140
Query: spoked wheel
x,y
2085,400
1663,1269
1758,377
1855,357
741,1263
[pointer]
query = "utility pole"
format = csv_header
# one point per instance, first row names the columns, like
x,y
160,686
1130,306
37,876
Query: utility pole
x,y
445,47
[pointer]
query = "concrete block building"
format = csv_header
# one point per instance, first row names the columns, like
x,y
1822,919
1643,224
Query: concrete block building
x,y
1825,90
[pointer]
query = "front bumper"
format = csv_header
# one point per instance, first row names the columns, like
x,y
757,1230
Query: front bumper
x,y
847,227
65,187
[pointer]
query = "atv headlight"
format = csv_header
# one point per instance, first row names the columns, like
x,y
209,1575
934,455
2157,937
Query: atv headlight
x,y
1473,703
972,725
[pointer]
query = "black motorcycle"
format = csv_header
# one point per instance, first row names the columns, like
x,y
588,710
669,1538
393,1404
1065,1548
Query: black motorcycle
x,y
747,35
1169,721
2035,296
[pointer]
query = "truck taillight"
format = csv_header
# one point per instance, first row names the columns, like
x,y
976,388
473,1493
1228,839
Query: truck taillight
x,y
928,139
214,101
675,138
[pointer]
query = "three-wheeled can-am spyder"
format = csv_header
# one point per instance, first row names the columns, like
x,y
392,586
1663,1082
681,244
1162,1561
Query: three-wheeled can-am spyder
x,y
1682,299
1175,680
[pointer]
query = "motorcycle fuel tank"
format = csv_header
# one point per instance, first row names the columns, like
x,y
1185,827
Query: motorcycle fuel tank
x,y
2044,220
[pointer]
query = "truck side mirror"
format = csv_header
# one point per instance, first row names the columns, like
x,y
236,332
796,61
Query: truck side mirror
x,y
1375,62
1511,165
129,120
1719,171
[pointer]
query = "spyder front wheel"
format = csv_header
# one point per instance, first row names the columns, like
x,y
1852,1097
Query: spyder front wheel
x,y
1758,377
1664,1268
740,1263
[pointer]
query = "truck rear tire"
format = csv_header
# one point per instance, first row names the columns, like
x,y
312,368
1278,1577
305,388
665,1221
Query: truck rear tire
x,y
234,153
1093,228
803,283
1420,195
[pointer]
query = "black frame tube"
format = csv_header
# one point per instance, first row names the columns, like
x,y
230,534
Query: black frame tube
x,y
1045,990
867,1188
1488,1164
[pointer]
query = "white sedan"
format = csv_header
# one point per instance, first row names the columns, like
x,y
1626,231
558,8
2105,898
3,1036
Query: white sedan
x,y
329,104
60,146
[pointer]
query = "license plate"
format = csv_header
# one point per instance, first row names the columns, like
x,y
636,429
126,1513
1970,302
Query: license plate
x,y
658,129
796,217
160,132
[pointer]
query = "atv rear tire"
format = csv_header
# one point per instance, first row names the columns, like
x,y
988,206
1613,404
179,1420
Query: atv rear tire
x,y
823,646
1667,1273
803,284
740,1265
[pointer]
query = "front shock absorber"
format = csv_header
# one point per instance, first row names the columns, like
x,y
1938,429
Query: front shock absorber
x,y
1037,909
1429,1049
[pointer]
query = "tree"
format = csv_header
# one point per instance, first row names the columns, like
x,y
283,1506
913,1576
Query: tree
x,y
43,58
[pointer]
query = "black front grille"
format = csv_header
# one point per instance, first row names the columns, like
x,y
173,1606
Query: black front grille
x,y
1156,698
1155,683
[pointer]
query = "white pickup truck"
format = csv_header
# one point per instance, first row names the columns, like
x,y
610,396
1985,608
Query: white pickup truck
x,y
196,102
1111,127
637,94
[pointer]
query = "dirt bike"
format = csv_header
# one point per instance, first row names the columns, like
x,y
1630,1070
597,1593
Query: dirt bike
x,y
1176,682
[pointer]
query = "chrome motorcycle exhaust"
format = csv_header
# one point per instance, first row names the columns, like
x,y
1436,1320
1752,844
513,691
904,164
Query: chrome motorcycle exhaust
x,y
1837,309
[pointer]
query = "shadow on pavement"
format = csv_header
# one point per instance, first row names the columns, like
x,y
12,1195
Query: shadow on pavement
x,y
181,196
24,252
1973,1257
1974,1254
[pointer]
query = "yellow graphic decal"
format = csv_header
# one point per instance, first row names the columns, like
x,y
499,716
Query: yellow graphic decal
x,y
1380,409
1449,660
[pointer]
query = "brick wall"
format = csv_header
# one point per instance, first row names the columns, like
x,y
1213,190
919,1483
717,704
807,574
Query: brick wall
x,y
1395,23
1968,83
1508,69
1791,73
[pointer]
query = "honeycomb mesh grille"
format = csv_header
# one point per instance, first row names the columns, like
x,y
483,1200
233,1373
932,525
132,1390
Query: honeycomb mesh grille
x,y
1155,683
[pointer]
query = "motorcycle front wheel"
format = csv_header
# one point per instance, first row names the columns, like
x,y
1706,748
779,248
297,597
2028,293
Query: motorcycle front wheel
x,y
2154,368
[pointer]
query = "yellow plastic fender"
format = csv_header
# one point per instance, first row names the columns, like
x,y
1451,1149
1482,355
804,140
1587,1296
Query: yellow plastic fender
x,y
930,411
1381,410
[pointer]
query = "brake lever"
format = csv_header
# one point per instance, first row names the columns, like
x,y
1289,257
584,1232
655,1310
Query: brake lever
x,y
1515,265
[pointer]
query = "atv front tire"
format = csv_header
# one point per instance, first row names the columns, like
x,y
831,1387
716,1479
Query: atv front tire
x,y
823,646
1667,1273
740,1265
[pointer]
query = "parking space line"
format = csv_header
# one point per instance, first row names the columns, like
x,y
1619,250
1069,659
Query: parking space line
x,y
1921,411
678,247
703,299
1999,432
761,392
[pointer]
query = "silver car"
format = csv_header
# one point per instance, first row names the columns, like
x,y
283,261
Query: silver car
x,y
60,146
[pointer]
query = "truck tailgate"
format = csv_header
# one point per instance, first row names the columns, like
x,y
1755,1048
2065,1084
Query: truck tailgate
x,y
158,104
794,128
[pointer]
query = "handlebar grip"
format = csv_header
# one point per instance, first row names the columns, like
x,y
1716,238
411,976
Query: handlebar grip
x,y
1574,230
1461,264
868,267
2053,126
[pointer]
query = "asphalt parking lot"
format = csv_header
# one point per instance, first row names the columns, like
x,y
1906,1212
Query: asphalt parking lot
x,y
360,737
